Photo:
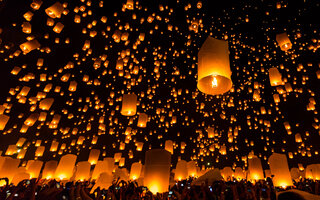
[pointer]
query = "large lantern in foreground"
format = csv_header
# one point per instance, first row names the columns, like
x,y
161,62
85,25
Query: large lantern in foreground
x,y
284,41
157,170
181,172
214,74
129,105
255,168
49,169
280,169
135,170
65,167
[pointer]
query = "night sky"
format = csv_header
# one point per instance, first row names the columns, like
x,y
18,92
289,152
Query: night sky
x,y
166,81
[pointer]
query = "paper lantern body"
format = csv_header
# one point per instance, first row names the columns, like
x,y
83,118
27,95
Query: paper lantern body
x,y
83,171
55,10
275,77
129,105
227,173
313,171
295,173
39,151
239,173
142,120
29,46
9,168
255,168
157,170
49,169
279,168
135,171
214,74
192,169
169,146
3,121
46,104
34,168
18,177
105,166
104,181
65,167
283,41
94,156
181,171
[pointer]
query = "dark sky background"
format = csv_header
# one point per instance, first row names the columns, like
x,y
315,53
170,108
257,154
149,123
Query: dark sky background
x,y
253,50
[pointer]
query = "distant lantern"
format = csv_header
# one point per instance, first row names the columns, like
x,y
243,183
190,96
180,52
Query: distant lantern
x,y
181,171
65,167
39,151
129,4
284,41
36,4
135,171
157,170
313,171
280,170
58,27
55,10
49,169
129,105
94,156
275,77
298,138
142,120
29,46
83,171
255,168
46,104
214,74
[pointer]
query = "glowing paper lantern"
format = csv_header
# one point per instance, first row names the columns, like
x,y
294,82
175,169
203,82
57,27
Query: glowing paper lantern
x,y
46,104
192,168
284,41
83,171
12,149
34,168
169,146
227,173
21,142
214,74
9,168
279,168
255,168
157,170
181,171
313,171
142,120
275,77
55,10
135,170
239,173
29,46
36,4
18,177
49,169
39,151
105,166
129,104
3,121
94,156
104,181
295,173
65,167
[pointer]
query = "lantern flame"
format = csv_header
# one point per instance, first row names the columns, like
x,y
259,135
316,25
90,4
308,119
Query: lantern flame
x,y
214,82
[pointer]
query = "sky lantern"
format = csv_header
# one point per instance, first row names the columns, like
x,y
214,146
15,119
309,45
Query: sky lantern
x,y
83,171
181,171
227,173
94,156
11,149
39,151
9,168
239,173
139,146
135,170
275,77
46,104
142,120
3,121
29,46
157,170
313,171
129,105
192,168
255,168
36,4
21,141
169,146
55,10
105,166
65,167
34,167
20,176
49,169
214,74
21,153
279,168
283,41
